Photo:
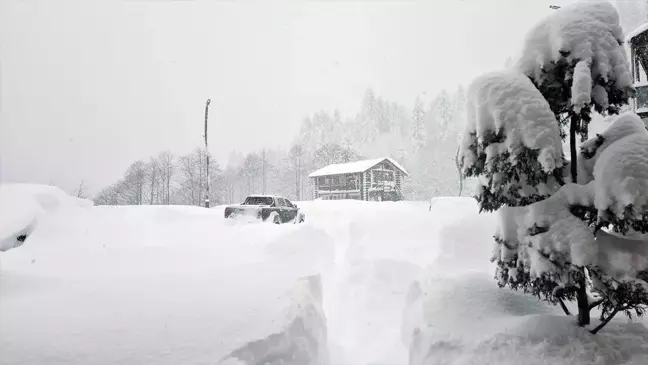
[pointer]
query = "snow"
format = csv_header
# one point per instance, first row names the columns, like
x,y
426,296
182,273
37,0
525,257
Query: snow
x,y
23,206
640,29
507,102
163,285
590,32
455,315
358,283
621,257
354,167
616,160
621,175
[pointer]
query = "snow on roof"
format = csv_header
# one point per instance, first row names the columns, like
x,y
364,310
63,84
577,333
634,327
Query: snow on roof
x,y
353,167
640,29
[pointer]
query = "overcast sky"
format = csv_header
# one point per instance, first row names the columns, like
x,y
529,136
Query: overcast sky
x,y
87,87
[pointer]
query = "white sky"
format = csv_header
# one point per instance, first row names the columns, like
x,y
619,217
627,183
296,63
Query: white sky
x,y
87,86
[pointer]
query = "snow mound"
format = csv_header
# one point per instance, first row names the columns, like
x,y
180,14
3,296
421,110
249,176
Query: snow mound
x,y
621,176
22,206
508,103
621,126
163,285
568,238
621,257
587,33
467,320
311,248
302,342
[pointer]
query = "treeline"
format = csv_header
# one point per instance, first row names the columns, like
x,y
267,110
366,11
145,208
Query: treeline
x,y
423,138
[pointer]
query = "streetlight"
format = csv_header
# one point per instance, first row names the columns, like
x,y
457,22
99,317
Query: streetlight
x,y
207,153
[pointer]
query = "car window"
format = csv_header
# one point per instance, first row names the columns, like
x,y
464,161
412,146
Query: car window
x,y
282,202
257,200
289,204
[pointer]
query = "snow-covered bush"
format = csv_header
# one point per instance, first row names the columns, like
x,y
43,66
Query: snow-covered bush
x,y
511,141
547,243
576,60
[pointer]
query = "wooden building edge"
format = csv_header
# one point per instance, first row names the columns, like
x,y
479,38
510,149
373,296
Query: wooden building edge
x,y
370,180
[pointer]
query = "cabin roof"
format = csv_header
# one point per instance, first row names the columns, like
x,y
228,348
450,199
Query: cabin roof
x,y
354,167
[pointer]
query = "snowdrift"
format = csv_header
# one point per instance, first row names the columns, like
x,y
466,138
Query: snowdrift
x,y
22,206
161,285
456,314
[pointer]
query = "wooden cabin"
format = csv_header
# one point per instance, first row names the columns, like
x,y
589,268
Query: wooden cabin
x,y
377,179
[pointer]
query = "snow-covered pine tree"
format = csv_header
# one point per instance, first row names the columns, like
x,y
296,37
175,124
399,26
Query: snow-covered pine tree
x,y
511,142
419,136
574,64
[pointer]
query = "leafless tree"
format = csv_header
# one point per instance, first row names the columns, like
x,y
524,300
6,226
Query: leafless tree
x,y
166,161
132,186
153,178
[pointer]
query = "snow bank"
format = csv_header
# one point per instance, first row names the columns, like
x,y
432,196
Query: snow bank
x,y
302,342
456,314
163,285
587,33
22,206
538,339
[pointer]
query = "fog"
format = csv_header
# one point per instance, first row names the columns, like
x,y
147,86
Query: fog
x,y
87,87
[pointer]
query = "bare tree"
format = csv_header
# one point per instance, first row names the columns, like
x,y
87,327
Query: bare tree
x,y
166,160
132,186
153,176
108,196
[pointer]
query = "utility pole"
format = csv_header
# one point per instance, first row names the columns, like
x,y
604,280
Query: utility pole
x,y
207,153
263,170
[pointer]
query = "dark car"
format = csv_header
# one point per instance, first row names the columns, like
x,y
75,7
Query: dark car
x,y
268,208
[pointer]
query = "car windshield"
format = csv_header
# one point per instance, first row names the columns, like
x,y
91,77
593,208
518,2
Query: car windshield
x,y
258,200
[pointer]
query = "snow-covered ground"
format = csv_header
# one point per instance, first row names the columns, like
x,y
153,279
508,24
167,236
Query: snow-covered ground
x,y
359,283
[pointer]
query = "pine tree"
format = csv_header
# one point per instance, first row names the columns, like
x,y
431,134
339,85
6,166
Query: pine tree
x,y
419,136
515,156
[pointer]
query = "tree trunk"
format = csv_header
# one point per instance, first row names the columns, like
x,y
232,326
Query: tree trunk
x,y
581,295
564,307
606,321
458,164
572,148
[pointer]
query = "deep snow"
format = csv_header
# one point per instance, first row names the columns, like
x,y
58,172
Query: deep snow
x,y
358,283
